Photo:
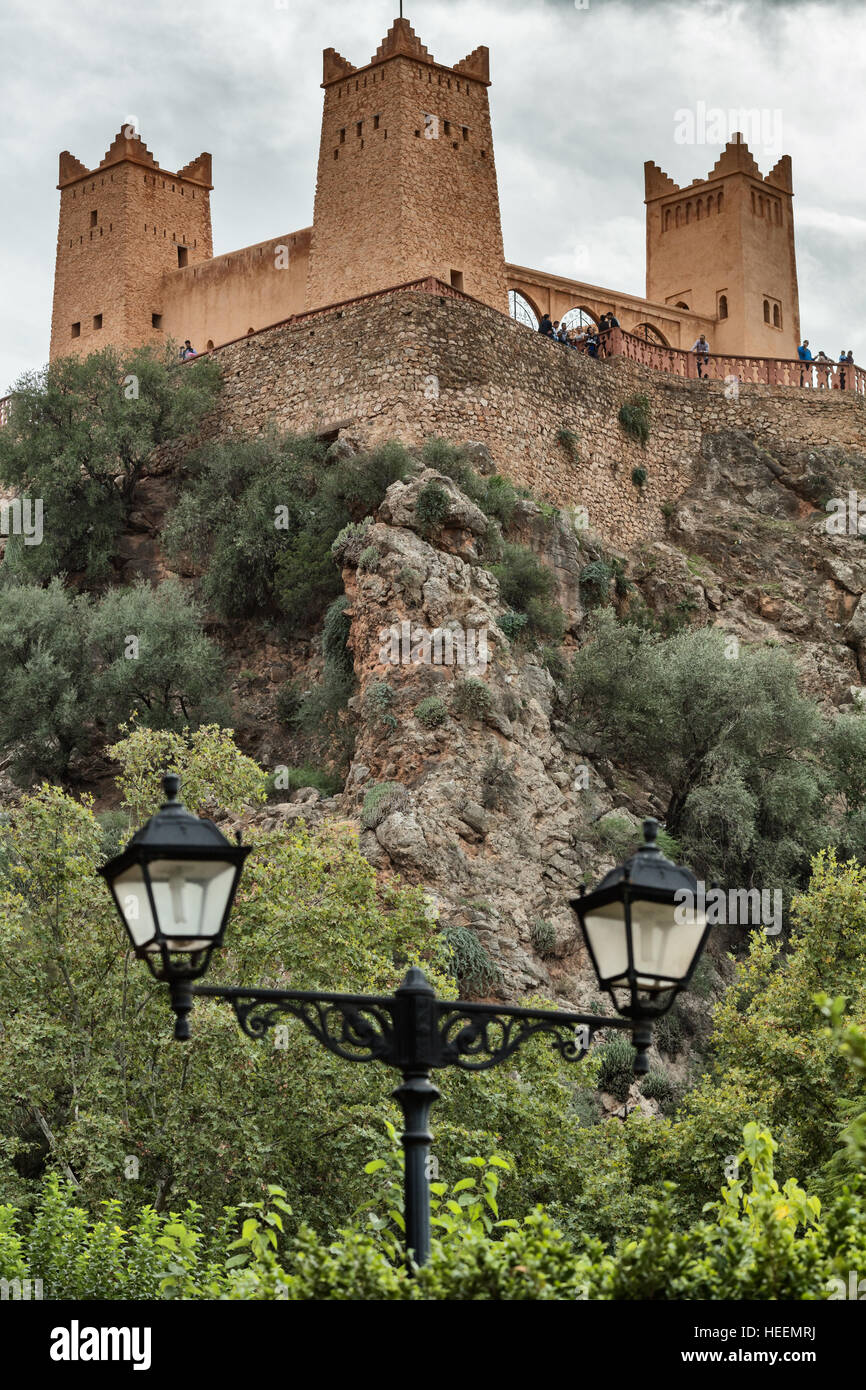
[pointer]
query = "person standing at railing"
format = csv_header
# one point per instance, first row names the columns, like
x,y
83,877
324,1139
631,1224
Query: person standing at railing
x,y
805,355
701,350
546,327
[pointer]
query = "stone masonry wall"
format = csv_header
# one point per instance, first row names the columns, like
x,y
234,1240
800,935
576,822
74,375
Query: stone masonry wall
x,y
410,364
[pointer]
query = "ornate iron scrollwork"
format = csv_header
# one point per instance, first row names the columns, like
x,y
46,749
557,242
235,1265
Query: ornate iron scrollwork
x,y
475,1041
358,1033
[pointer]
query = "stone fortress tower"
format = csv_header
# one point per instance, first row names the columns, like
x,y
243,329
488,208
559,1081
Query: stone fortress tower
x,y
406,183
123,226
723,247
406,189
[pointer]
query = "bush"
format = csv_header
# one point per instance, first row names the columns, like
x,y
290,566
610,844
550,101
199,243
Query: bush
x,y
512,624
369,558
471,699
378,699
474,968
669,1033
526,586
431,712
75,668
292,779
381,801
616,1072
639,476
287,705
499,500
634,416
594,580
499,786
543,934
272,551
569,441
431,507
80,435
657,1086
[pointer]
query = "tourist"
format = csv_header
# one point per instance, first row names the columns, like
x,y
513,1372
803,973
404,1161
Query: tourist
x,y
612,320
701,350
803,351
592,343
546,327
849,358
187,351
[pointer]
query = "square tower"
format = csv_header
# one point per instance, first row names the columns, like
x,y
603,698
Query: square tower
x,y
122,226
406,183
723,247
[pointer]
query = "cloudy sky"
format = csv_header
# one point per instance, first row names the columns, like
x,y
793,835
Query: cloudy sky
x,y
582,94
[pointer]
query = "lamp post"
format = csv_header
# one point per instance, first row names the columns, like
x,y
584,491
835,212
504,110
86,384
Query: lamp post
x,y
174,886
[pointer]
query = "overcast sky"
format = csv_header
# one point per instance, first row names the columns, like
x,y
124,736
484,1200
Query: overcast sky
x,y
581,96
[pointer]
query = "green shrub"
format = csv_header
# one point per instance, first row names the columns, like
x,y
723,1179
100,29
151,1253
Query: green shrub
x,y
543,934
378,700
474,968
431,507
634,416
569,441
594,580
499,500
431,712
80,435
74,668
471,699
369,558
335,636
616,1072
512,624
618,835
639,476
381,801
499,786
657,1086
288,703
526,586
669,1033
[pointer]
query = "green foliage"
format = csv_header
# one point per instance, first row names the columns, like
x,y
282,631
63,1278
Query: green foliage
x,y
431,712
618,835
639,476
669,1033
569,441
369,558
76,667
473,966
499,500
80,435
634,416
733,738
617,1067
213,773
657,1086
271,552
499,786
431,507
294,778
543,935
378,702
335,636
512,624
288,703
380,801
471,699
594,580
526,586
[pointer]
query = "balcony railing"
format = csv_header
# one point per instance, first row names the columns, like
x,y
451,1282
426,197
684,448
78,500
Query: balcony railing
x,y
748,371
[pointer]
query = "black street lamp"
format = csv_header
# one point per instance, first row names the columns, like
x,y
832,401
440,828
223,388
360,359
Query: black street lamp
x,y
174,885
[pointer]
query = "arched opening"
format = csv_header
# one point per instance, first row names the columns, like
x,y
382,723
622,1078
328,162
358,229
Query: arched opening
x,y
210,344
667,219
578,318
681,304
766,311
719,202
250,332
723,306
777,316
650,334
522,309
697,209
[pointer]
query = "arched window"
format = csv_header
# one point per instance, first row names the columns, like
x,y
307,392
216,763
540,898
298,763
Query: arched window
x,y
754,205
210,344
777,316
697,209
521,310
723,306
681,304
719,202
688,213
250,332
667,219
579,317
676,216
650,334
766,311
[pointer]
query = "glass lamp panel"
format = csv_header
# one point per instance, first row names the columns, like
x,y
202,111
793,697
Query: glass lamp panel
x,y
130,892
605,930
664,940
190,898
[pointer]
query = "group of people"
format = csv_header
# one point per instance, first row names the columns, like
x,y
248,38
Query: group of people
x,y
187,351
805,355
585,338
